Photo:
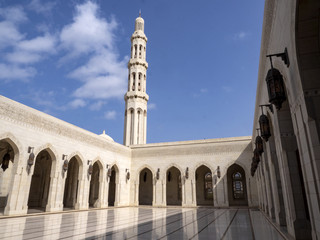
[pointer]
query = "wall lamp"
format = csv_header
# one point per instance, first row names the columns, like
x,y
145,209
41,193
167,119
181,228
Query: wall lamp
x,y
90,169
158,174
264,126
31,157
65,162
128,174
187,173
5,160
274,81
259,142
218,172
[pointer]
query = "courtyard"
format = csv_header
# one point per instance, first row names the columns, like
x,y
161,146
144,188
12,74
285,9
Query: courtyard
x,y
142,223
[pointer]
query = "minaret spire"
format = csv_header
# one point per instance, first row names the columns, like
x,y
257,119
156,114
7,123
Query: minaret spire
x,y
136,98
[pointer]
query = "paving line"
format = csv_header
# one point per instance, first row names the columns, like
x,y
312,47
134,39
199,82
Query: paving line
x,y
209,224
191,223
274,226
106,234
90,222
252,230
167,223
103,224
224,234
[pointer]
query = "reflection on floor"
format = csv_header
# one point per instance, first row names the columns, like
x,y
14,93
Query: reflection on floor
x,y
142,223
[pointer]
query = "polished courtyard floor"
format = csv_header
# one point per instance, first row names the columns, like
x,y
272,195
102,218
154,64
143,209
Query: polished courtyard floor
x,y
142,223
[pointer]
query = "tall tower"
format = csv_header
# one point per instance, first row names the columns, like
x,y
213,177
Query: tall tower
x,y
136,98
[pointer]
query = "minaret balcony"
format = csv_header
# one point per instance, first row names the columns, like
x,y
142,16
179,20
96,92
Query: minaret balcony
x,y
136,94
137,61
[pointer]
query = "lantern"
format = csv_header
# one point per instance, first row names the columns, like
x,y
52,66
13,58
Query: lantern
x,y
264,127
187,173
158,174
5,161
109,172
31,159
90,170
65,165
259,144
275,86
218,172
128,175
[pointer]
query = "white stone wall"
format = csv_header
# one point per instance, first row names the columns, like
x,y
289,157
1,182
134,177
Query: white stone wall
x,y
27,127
295,128
192,154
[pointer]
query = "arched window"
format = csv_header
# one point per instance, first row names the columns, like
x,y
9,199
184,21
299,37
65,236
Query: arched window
x,y
135,51
134,81
145,177
140,50
237,186
208,186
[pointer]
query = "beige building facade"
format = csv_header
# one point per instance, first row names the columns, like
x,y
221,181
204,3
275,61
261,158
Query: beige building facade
x,y
50,165
288,170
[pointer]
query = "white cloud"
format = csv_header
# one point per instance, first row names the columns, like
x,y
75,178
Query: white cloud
x,y
9,34
41,7
152,106
77,103
104,75
13,14
242,35
88,32
22,57
11,72
97,105
33,50
44,43
110,115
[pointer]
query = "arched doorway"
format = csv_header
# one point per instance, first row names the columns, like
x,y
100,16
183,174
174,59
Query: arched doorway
x,y
237,189
174,186
95,185
72,183
204,186
112,186
145,187
40,181
7,156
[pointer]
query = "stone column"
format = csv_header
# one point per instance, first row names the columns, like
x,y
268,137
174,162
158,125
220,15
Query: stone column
x,y
19,190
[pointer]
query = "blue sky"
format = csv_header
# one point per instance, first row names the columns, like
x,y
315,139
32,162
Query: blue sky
x,y
69,59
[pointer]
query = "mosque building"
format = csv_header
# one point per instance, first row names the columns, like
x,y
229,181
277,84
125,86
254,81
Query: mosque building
x,y
50,165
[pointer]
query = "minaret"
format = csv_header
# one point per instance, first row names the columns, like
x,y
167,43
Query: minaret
x,y
136,98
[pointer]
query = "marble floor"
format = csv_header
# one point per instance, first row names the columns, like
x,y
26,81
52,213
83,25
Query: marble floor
x,y
142,223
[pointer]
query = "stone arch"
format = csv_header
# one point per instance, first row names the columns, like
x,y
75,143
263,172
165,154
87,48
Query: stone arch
x,y
170,166
43,172
53,154
202,164
79,157
204,185
237,190
71,187
113,185
96,183
146,177
173,185
143,167
10,145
